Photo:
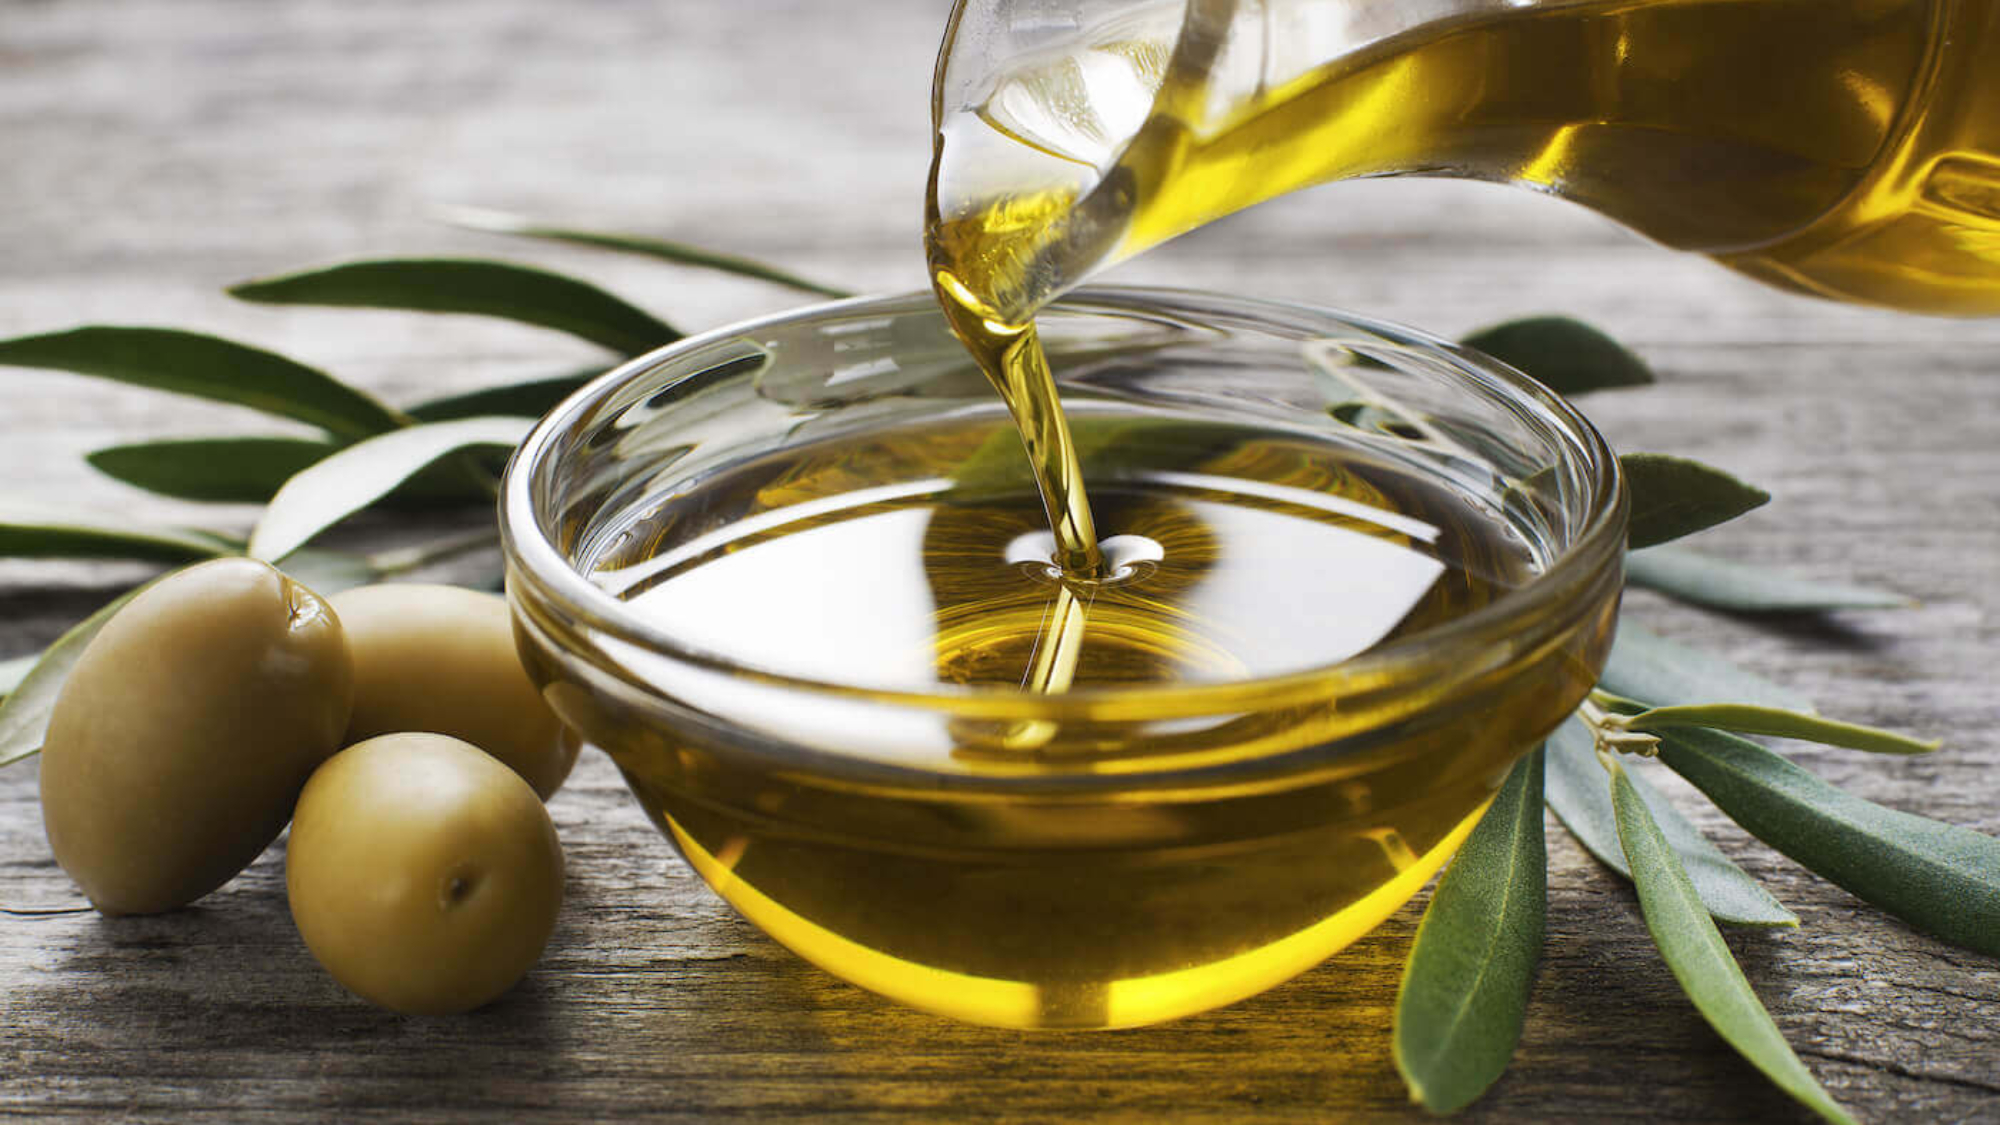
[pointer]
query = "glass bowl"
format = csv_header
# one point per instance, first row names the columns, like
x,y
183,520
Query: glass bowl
x,y
1164,848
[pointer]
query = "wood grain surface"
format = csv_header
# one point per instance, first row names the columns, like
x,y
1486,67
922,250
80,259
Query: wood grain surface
x,y
152,151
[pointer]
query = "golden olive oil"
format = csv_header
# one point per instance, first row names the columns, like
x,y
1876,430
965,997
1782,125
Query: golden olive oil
x,y
1076,883
1230,554
1848,148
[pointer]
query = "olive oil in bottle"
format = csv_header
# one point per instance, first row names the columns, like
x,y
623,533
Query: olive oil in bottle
x,y
1844,148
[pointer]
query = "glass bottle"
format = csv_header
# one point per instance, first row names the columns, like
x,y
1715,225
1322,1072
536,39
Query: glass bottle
x,y
1844,148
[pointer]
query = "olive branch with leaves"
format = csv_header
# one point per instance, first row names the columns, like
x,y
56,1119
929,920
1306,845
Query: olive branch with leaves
x,y
1466,985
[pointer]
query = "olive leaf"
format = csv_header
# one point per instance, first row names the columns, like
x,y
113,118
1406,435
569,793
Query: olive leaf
x,y
330,572
1581,799
500,222
28,533
24,713
1649,667
1742,588
1561,353
1745,719
1694,950
1106,447
1465,987
1000,464
225,469
401,560
251,470
209,367
1376,419
462,285
1940,878
12,672
529,400
1674,496
363,473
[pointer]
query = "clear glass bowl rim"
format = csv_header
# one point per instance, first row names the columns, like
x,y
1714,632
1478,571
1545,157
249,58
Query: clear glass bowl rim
x,y
532,558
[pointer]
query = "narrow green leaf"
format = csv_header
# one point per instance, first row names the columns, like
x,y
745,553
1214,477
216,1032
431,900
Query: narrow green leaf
x,y
1108,448
245,470
470,479
1465,987
499,222
251,470
363,473
1565,355
1746,719
24,713
221,543
330,572
1374,419
209,367
1693,948
1742,588
1648,667
12,672
1673,496
528,400
462,285
37,534
1579,794
1940,878
484,542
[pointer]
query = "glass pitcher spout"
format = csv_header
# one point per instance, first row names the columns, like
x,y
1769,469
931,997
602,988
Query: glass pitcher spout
x,y
1844,148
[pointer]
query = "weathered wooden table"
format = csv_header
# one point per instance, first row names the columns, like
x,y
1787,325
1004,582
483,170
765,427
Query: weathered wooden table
x,y
151,152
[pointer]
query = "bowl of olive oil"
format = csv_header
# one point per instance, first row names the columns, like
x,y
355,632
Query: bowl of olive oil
x,y
798,579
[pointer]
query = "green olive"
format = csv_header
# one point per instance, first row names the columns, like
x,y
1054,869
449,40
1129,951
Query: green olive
x,y
442,659
184,733
424,875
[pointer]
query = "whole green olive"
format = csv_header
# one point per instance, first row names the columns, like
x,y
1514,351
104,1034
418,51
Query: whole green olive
x,y
183,734
442,659
424,875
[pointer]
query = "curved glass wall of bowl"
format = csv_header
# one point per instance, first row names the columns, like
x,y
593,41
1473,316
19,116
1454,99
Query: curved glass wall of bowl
x,y
792,576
